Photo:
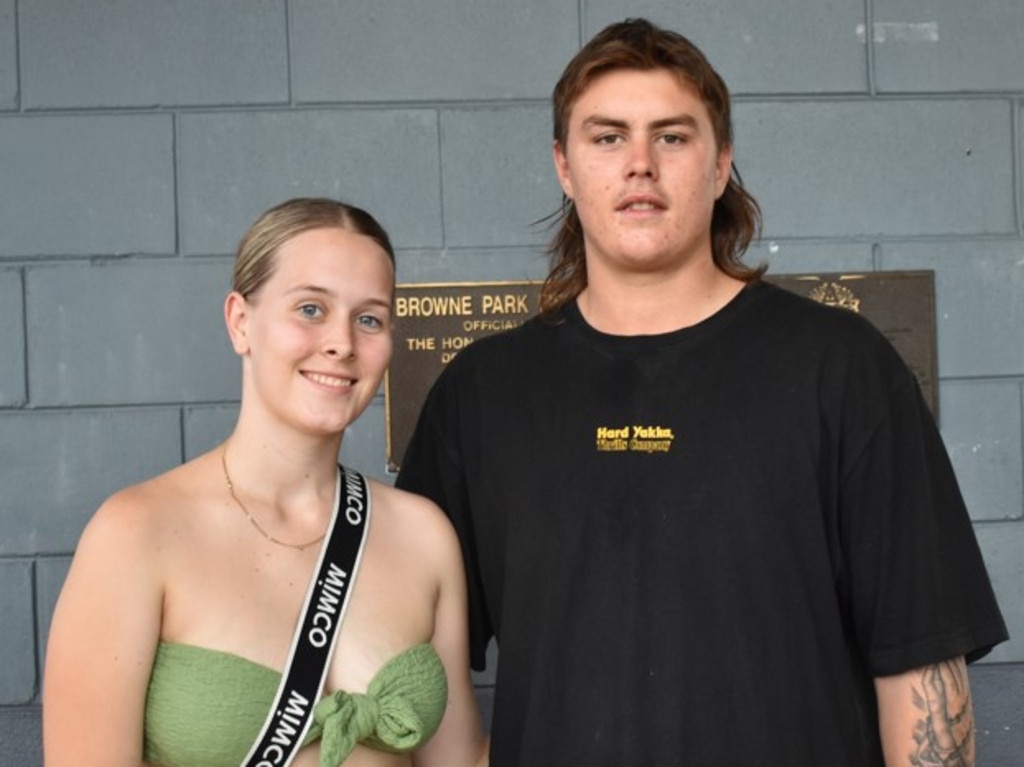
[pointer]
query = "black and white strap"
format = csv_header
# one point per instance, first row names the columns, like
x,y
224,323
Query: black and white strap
x,y
303,677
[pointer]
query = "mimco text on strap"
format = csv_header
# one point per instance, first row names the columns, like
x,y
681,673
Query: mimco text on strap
x,y
326,600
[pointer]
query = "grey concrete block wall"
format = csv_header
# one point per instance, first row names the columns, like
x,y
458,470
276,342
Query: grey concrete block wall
x,y
18,683
138,138
880,167
12,339
161,345
445,50
179,53
979,426
496,183
58,465
921,47
8,57
1002,543
86,185
809,47
979,284
234,165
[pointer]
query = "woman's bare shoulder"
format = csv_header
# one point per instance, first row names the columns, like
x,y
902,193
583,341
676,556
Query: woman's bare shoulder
x,y
408,507
413,522
146,512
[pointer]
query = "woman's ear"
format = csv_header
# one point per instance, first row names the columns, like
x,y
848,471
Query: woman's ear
x,y
236,317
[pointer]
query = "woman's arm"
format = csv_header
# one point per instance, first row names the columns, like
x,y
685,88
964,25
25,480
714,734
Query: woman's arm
x,y
459,741
102,642
926,718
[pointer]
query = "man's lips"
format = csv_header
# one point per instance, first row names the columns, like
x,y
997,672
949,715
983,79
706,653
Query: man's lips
x,y
643,202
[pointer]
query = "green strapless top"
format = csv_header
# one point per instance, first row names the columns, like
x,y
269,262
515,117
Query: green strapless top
x,y
205,708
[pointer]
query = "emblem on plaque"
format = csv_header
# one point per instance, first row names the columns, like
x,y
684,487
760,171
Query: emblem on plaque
x,y
834,294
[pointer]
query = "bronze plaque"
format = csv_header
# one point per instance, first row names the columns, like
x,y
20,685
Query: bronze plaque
x,y
433,322
900,304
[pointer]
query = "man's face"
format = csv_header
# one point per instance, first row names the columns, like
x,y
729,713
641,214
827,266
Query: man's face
x,y
643,169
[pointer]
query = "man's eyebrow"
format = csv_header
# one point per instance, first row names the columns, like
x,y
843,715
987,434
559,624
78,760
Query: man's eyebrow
x,y
599,121
684,120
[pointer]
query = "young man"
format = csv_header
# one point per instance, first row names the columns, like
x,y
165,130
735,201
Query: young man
x,y
709,522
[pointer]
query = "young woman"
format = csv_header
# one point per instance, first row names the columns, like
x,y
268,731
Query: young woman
x,y
178,614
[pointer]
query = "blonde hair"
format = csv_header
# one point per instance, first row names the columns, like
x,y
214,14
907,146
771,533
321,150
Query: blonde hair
x,y
255,258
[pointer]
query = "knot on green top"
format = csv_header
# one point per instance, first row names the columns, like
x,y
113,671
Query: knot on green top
x,y
400,710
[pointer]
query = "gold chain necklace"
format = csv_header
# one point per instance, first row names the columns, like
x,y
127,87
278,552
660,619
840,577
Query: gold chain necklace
x,y
252,519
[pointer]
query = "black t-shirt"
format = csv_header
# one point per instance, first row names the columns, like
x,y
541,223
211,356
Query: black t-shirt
x,y
699,547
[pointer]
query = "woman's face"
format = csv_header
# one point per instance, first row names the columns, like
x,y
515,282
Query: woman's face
x,y
316,337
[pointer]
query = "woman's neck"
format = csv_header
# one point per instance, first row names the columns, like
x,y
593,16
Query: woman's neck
x,y
280,467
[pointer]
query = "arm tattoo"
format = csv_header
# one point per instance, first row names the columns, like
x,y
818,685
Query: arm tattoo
x,y
944,736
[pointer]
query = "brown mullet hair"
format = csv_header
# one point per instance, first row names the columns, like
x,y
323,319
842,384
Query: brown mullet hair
x,y
640,45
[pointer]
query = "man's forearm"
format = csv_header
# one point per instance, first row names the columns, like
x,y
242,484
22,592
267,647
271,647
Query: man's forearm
x,y
926,718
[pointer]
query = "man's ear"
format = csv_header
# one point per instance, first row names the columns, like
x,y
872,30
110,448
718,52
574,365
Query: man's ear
x,y
562,168
236,317
723,170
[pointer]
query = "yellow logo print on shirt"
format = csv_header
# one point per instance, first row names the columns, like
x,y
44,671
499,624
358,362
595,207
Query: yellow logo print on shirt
x,y
638,439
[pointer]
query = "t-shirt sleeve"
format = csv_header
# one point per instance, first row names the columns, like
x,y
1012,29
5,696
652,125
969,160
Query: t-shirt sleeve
x,y
918,589
432,466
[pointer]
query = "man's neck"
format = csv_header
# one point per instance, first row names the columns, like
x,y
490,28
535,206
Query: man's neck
x,y
649,304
